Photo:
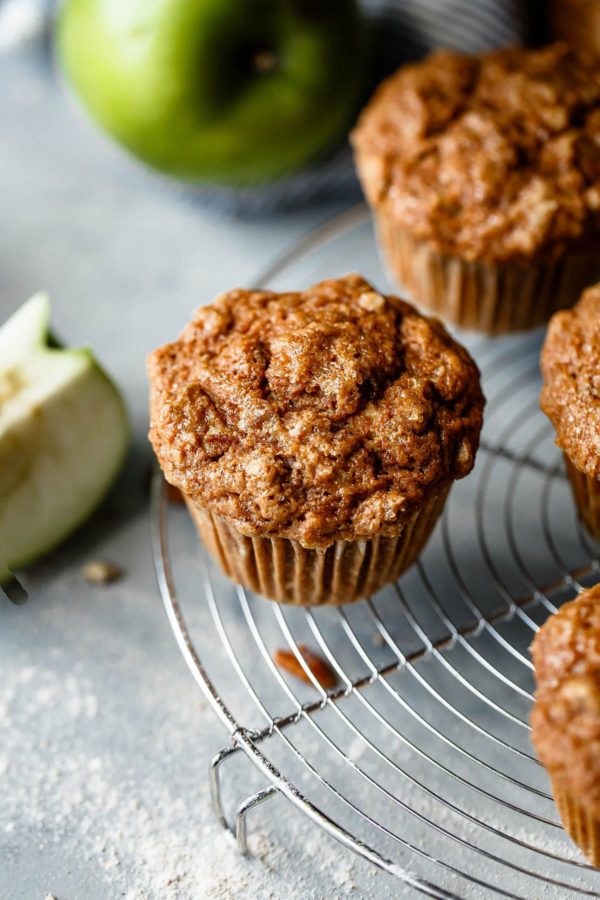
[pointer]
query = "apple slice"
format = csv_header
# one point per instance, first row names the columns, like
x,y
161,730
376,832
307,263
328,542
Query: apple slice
x,y
63,437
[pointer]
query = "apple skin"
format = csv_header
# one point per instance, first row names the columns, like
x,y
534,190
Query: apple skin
x,y
235,92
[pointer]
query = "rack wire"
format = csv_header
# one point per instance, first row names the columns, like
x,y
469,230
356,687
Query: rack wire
x,y
419,759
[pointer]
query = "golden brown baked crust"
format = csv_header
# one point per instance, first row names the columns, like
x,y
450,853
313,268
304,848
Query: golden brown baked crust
x,y
490,157
571,371
566,716
326,415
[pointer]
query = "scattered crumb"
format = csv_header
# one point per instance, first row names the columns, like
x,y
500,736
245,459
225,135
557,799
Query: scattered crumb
x,y
378,639
101,572
320,669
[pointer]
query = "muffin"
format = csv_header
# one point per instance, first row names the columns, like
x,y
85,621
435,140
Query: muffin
x,y
483,173
314,435
571,398
566,715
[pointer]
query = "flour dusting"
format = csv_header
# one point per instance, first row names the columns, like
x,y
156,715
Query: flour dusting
x,y
149,847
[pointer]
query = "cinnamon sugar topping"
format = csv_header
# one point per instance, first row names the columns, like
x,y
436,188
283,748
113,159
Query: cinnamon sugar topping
x,y
494,156
326,415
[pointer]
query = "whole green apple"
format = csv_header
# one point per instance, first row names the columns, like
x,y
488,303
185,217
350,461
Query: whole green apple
x,y
231,91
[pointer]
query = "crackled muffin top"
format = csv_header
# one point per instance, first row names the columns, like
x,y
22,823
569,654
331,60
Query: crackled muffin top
x,y
566,716
330,414
571,371
494,156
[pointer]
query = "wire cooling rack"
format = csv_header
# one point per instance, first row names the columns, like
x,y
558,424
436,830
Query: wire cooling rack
x,y
419,760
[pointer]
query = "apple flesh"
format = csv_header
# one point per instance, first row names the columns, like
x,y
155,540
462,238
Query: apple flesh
x,y
230,91
63,437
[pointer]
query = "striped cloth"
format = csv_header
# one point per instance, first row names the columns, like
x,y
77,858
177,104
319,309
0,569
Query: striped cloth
x,y
469,25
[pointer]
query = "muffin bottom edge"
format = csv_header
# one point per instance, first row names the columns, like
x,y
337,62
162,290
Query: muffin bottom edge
x,y
494,298
581,825
283,570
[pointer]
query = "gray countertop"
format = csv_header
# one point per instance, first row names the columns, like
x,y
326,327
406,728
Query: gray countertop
x,y
104,737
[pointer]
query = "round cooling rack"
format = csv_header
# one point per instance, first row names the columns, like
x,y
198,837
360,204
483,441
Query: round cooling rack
x,y
419,758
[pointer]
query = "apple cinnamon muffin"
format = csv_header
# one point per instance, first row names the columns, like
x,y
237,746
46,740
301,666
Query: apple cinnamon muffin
x,y
566,715
571,398
315,434
483,173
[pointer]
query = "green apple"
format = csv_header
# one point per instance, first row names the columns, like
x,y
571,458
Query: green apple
x,y
231,91
63,437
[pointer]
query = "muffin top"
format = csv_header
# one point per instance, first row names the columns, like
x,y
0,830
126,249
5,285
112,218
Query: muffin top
x,y
330,414
566,716
571,371
493,157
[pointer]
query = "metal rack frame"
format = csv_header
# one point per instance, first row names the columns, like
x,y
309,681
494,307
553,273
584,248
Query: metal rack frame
x,y
480,655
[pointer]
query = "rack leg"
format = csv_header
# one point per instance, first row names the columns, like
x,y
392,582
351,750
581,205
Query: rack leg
x,y
214,781
242,811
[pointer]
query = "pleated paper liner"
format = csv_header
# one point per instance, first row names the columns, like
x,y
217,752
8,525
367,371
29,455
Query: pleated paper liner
x,y
578,822
495,298
284,570
587,497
